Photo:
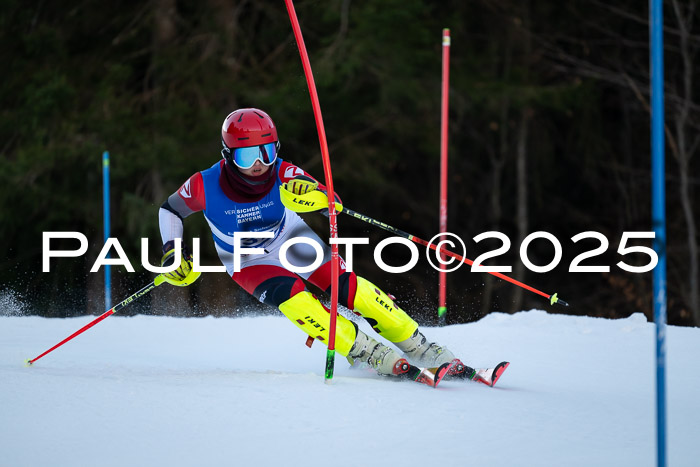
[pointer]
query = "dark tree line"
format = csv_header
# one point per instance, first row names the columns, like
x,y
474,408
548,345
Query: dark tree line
x,y
549,131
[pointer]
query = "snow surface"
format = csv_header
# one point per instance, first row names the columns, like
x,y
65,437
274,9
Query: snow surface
x,y
157,391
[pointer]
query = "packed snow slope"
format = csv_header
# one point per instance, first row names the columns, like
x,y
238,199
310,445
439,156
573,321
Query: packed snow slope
x,y
155,391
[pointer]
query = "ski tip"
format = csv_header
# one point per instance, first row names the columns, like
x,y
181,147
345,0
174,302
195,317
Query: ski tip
x,y
28,362
498,371
428,376
441,372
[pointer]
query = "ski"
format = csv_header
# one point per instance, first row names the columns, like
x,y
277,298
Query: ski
x,y
487,376
428,376
405,371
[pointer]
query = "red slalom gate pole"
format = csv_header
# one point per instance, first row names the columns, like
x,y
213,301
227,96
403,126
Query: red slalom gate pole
x,y
332,213
158,280
442,302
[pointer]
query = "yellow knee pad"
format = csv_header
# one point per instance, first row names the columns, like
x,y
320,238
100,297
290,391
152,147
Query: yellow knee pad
x,y
304,310
390,321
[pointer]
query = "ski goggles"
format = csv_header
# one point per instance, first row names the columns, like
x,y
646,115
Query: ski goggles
x,y
245,158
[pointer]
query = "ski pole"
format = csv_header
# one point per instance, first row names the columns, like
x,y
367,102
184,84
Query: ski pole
x,y
317,200
156,282
552,298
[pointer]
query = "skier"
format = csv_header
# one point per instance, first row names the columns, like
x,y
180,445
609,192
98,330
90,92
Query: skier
x,y
241,193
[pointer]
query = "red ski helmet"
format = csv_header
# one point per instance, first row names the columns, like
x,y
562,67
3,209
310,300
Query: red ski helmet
x,y
247,135
248,127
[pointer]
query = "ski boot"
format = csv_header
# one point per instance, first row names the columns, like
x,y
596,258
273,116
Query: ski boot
x,y
383,359
418,350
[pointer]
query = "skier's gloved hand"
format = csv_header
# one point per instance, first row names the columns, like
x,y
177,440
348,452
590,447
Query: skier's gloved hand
x,y
300,185
178,276
304,194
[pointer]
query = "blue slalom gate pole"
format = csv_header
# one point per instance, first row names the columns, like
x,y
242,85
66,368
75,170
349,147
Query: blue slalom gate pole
x,y
105,209
658,189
